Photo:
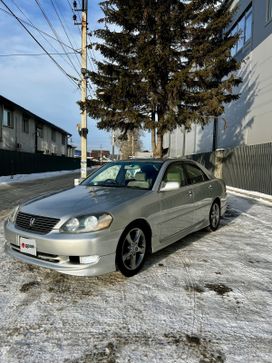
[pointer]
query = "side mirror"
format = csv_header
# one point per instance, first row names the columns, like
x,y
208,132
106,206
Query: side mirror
x,y
76,182
170,186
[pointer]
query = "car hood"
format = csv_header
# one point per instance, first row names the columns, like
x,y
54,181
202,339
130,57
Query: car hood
x,y
81,200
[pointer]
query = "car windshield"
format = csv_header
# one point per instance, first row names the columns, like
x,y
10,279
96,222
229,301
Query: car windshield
x,y
126,174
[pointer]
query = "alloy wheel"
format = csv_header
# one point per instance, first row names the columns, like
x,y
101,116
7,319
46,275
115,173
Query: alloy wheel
x,y
134,249
215,216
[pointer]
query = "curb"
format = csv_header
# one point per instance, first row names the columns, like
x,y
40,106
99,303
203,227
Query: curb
x,y
250,194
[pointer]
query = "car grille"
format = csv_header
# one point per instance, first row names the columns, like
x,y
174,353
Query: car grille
x,y
33,223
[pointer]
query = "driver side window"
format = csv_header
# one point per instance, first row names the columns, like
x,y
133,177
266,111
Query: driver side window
x,y
175,173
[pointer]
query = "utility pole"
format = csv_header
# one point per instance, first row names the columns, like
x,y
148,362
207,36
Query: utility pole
x,y
215,133
84,130
112,145
83,122
132,144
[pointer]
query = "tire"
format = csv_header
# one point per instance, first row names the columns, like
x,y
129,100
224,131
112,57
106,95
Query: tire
x,y
132,250
214,217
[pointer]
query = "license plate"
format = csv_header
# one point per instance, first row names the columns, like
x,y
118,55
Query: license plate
x,y
28,246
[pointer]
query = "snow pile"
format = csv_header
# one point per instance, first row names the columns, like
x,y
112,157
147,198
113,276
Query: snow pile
x,y
19,178
250,194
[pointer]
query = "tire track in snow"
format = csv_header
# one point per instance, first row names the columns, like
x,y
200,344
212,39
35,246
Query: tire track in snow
x,y
192,286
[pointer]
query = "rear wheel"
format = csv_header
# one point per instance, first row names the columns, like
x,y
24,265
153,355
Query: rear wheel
x,y
214,216
132,250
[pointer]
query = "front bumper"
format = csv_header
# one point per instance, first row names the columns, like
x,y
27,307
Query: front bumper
x,y
61,252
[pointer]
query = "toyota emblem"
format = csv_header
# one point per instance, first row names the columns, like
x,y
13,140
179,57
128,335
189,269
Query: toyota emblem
x,y
31,222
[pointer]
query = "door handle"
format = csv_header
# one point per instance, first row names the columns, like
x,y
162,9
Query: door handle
x,y
210,187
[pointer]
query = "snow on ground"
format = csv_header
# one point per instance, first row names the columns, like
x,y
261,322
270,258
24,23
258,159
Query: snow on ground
x,y
205,299
20,178
266,198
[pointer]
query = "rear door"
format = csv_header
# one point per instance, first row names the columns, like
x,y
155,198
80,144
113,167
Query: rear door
x,y
202,190
176,207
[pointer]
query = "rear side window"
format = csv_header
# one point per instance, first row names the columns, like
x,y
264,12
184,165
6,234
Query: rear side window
x,y
195,174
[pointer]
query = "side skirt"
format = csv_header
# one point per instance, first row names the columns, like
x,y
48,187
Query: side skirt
x,y
177,236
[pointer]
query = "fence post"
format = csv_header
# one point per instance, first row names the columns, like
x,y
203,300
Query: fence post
x,y
218,167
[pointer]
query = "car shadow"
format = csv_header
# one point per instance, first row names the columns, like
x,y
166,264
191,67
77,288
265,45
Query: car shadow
x,y
229,217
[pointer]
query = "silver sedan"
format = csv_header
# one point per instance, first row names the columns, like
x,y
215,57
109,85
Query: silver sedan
x,y
116,217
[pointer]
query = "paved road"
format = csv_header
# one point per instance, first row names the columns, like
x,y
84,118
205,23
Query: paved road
x,y
16,193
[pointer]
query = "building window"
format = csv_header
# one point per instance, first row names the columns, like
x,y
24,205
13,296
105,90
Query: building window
x,y
243,27
7,118
53,135
26,125
63,139
269,10
40,131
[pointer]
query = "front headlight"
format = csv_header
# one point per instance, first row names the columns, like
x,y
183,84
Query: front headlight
x,y
13,215
89,223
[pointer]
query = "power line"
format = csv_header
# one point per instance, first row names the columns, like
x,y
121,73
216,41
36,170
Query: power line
x,y
40,45
90,59
55,33
74,13
78,27
41,33
32,54
62,25
90,88
39,30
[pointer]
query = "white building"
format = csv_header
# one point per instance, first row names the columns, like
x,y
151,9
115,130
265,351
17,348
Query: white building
x,y
247,121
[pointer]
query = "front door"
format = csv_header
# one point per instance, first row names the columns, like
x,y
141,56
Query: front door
x,y
176,207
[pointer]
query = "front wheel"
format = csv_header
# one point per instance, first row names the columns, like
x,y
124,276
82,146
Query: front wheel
x,y
131,251
214,217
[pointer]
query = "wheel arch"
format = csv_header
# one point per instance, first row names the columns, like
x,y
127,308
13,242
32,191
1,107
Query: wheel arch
x,y
217,199
141,222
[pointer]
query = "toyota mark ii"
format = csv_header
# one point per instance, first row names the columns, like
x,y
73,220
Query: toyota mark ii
x,y
122,212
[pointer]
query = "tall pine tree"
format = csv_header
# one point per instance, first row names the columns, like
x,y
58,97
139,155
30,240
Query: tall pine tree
x,y
167,63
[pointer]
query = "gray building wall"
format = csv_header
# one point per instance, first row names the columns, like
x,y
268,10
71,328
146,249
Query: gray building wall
x,y
14,138
247,121
47,145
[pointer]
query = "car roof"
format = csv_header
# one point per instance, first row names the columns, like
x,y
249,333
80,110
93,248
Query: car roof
x,y
157,160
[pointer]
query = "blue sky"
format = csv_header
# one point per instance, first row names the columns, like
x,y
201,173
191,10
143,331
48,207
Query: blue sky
x,y
35,82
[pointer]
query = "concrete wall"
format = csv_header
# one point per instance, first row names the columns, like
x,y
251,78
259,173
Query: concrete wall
x,y
16,139
48,146
26,140
249,120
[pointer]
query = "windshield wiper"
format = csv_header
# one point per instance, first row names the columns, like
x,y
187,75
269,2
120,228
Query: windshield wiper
x,y
110,185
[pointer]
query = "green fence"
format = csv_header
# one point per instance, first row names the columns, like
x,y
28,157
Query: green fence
x,y
14,162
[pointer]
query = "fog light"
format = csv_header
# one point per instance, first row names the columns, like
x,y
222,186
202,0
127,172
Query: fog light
x,y
88,259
